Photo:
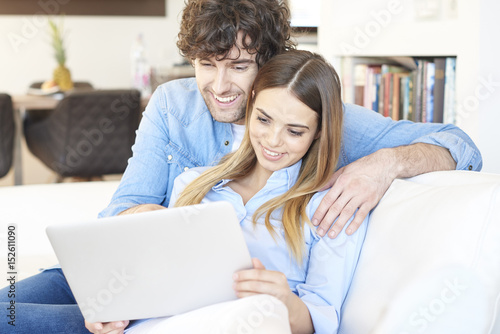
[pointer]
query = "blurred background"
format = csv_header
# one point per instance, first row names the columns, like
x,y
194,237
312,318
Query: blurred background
x,y
104,49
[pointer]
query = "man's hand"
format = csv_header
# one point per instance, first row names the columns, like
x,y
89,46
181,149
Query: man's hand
x,y
361,184
116,327
357,186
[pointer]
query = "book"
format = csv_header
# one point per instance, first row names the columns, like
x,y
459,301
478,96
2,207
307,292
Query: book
x,y
417,91
376,92
439,75
404,96
371,87
429,92
359,83
422,90
411,80
390,75
449,108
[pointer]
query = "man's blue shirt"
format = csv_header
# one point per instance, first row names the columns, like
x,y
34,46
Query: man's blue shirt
x,y
177,132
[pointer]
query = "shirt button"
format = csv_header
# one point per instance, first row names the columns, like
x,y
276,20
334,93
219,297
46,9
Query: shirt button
x,y
169,157
186,168
226,142
470,167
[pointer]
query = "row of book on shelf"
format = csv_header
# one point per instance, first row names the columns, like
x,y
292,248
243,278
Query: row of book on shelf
x,y
403,88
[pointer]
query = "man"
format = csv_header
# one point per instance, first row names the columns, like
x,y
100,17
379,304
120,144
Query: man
x,y
226,57
194,122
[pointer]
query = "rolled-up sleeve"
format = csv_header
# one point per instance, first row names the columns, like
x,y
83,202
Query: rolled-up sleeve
x,y
366,132
330,269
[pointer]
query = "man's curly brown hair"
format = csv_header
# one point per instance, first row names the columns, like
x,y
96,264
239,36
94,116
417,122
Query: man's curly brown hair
x,y
210,27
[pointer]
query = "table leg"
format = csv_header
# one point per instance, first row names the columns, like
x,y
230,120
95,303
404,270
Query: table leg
x,y
18,160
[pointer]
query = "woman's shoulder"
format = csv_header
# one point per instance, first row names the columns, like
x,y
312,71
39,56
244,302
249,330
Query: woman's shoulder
x,y
189,175
314,202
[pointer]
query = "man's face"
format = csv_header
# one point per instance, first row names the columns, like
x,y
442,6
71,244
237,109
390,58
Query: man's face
x,y
226,84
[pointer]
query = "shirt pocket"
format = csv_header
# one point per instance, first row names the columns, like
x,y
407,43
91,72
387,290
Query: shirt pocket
x,y
180,159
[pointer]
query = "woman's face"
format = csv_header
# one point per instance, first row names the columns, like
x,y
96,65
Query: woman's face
x,y
281,128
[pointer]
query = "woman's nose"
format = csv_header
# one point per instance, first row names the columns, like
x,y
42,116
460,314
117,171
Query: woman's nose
x,y
274,137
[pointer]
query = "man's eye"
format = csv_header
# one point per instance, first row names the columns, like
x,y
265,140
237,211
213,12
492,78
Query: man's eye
x,y
241,68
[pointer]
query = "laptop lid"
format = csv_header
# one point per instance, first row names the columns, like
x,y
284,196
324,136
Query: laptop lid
x,y
152,264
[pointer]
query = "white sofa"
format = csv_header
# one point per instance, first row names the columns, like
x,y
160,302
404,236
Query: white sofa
x,y
430,263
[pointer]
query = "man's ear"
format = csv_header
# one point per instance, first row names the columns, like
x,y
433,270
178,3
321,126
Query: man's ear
x,y
253,94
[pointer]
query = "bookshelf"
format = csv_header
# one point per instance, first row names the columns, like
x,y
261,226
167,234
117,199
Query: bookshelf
x,y
461,29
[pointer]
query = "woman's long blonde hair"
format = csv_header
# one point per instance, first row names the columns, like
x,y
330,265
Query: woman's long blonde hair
x,y
316,84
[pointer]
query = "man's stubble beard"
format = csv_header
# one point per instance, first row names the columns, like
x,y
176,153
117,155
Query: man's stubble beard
x,y
232,116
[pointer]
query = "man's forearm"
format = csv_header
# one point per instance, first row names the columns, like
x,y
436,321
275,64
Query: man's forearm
x,y
141,208
415,159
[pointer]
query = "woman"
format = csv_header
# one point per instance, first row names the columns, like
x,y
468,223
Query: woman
x,y
289,151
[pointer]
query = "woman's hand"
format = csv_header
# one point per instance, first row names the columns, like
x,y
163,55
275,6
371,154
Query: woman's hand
x,y
261,281
116,327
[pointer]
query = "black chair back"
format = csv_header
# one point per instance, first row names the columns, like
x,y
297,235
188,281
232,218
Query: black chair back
x,y
7,132
88,134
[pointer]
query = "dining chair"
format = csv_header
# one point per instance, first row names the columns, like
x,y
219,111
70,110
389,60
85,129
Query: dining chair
x,y
7,132
89,134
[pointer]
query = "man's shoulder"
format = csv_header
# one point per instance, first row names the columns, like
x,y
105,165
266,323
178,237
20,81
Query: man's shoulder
x,y
185,84
182,99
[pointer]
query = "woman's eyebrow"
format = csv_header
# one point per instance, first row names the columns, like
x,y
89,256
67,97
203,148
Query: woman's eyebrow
x,y
289,124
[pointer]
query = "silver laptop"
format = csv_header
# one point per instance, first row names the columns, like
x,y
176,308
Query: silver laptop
x,y
152,264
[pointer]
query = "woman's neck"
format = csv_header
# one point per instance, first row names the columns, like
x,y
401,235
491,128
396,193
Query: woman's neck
x,y
251,183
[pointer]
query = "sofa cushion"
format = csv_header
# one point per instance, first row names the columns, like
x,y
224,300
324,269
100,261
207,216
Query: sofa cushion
x,y
34,207
431,258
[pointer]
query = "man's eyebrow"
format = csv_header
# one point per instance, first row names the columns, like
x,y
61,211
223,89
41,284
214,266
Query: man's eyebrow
x,y
242,61
289,124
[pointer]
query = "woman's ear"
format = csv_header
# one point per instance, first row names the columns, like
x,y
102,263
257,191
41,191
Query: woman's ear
x,y
318,134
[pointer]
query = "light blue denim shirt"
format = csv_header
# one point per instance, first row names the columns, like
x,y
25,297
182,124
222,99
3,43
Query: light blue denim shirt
x,y
323,279
177,132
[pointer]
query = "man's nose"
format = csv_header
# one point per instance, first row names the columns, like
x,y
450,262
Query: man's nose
x,y
221,82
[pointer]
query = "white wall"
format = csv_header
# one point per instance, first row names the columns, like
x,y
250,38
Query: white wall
x,y
98,52
98,47
489,69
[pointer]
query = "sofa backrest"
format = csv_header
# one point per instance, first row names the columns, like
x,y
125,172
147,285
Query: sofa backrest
x,y
431,259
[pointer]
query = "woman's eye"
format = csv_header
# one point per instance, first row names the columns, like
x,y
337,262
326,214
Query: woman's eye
x,y
262,120
296,133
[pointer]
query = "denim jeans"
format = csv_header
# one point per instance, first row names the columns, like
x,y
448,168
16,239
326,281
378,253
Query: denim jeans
x,y
44,303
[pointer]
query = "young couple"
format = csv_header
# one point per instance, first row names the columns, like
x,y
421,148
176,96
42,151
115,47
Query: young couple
x,y
195,122
288,152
